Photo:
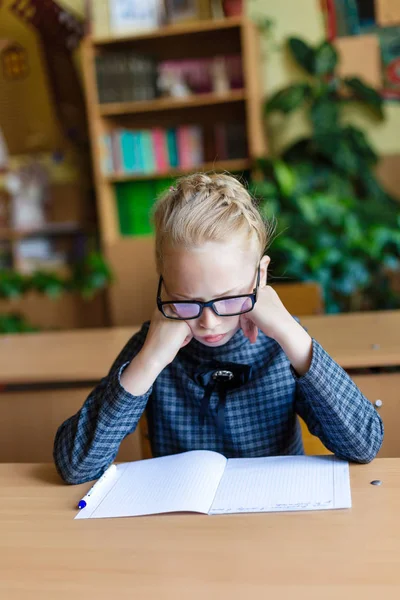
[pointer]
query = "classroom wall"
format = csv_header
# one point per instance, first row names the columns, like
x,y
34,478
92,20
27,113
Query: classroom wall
x,y
303,18
77,6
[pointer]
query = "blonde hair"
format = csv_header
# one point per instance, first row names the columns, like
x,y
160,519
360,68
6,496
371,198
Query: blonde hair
x,y
207,208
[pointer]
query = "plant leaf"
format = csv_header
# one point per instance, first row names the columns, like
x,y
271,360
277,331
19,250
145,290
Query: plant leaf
x,y
324,115
366,94
360,143
284,176
326,59
289,98
303,54
337,149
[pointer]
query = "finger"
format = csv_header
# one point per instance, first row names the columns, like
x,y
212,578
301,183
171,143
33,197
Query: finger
x,y
252,330
253,333
244,325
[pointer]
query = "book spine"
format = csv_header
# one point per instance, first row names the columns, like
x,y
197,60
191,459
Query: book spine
x,y
106,157
184,154
116,151
128,164
196,145
148,151
172,148
138,152
221,150
160,149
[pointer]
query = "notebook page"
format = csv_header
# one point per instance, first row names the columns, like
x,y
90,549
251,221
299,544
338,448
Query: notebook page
x,y
181,482
283,483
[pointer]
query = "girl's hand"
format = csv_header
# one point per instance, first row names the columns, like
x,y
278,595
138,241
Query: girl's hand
x,y
269,314
165,338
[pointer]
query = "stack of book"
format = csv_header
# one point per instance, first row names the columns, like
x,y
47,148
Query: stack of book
x,y
125,77
199,74
151,151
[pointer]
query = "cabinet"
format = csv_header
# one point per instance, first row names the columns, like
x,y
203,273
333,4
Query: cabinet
x,y
131,256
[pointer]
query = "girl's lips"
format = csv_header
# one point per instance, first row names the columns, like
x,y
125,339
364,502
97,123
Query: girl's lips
x,y
212,339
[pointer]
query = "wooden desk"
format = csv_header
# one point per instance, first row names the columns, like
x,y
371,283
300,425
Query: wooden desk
x,y
357,340
83,357
86,355
46,555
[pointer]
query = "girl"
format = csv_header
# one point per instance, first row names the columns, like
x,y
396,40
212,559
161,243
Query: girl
x,y
222,365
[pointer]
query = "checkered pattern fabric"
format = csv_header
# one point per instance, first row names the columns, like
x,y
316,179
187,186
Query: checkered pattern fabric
x,y
260,416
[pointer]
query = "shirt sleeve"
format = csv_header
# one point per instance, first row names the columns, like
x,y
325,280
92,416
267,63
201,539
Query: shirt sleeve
x,y
336,411
87,443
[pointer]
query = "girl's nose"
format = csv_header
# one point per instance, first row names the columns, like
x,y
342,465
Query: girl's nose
x,y
208,319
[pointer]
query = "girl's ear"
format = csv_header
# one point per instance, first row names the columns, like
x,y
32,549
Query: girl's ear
x,y
264,263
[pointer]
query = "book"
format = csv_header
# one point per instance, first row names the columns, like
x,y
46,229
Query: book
x,y
206,482
197,73
172,146
127,151
116,151
195,135
184,150
125,77
147,149
159,138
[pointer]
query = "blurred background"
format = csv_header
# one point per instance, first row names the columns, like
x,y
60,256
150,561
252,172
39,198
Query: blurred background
x,y
104,103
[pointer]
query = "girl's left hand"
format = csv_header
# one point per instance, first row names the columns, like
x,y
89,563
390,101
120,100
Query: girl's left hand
x,y
269,314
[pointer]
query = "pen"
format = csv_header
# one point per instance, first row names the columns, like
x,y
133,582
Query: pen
x,y
111,469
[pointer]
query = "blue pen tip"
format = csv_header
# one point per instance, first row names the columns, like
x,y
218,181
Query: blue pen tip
x,y
82,504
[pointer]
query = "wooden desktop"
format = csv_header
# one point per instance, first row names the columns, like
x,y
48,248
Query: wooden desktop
x,y
45,554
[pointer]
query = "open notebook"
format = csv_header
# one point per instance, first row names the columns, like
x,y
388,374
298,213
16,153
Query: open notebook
x,y
207,482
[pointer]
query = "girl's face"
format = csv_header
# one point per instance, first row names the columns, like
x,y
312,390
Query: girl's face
x,y
211,271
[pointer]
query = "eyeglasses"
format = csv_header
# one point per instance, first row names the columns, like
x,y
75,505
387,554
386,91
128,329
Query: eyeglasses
x,y
226,306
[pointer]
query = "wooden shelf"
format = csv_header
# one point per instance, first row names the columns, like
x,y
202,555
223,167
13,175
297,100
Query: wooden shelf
x,y
240,164
53,229
202,39
174,30
161,104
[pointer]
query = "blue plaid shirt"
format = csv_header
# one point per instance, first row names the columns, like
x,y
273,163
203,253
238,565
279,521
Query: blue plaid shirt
x,y
260,416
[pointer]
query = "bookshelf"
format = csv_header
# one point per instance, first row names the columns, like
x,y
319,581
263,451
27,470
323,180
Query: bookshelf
x,y
68,227
131,298
161,104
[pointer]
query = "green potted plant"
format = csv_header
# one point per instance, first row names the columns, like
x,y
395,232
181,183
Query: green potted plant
x,y
336,224
88,277
349,245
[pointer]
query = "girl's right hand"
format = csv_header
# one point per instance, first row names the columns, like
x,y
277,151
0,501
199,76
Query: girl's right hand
x,y
165,338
